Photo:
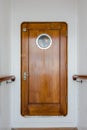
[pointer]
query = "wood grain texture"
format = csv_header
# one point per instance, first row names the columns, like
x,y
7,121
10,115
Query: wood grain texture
x,y
24,68
44,69
44,92
44,109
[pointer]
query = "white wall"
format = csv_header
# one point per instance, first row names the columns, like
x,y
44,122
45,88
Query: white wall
x,y
82,63
44,10
4,63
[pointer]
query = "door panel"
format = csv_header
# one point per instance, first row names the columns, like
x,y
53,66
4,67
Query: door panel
x,y
42,75
44,90
44,109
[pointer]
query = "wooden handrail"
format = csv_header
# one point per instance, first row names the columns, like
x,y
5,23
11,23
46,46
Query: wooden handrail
x,y
75,77
6,78
79,78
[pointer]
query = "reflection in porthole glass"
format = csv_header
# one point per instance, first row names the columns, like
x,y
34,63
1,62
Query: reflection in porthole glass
x,y
44,41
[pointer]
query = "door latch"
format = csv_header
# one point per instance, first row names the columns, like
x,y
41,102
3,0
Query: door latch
x,y
25,75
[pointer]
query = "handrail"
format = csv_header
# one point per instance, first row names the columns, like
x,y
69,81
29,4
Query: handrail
x,y
79,78
6,78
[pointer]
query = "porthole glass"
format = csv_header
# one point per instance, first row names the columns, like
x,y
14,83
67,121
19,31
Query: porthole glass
x,y
43,41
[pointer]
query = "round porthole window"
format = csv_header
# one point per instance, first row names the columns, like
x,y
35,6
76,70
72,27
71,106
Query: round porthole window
x,y
43,41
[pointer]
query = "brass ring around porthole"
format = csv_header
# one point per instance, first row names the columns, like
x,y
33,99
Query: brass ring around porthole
x,y
44,41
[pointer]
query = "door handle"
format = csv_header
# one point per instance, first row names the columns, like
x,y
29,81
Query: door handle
x,y
25,75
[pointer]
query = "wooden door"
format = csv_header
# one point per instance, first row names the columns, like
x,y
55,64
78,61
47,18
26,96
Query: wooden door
x,y
44,69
